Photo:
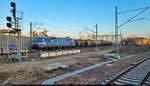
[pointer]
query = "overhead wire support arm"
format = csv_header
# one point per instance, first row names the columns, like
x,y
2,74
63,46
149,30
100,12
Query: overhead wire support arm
x,y
132,10
133,17
89,29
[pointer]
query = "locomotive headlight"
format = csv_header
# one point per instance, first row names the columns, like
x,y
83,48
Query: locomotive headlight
x,y
42,43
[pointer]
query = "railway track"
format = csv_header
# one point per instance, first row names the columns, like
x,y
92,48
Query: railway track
x,y
84,49
136,74
52,81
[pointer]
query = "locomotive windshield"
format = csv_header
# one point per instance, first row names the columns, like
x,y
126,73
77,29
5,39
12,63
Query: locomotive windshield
x,y
35,40
38,39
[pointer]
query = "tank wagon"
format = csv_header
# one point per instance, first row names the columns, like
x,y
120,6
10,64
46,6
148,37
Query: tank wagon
x,y
92,43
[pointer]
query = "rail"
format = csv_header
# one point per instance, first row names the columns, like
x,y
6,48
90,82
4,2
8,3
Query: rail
x,y
113,79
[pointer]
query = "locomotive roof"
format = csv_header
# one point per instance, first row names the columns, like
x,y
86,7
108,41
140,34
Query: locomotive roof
x,y
54,37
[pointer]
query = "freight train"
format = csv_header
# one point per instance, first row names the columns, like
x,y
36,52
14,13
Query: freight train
x,y
92,43
60,43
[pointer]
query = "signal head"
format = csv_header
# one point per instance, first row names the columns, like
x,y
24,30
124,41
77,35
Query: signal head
x,y
13,4
9,18
9,25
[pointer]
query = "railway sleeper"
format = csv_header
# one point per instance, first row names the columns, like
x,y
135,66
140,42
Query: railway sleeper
x,y
130,79
134,75
147,83
121,83
135,72
138,73
117,83
127,82
148,79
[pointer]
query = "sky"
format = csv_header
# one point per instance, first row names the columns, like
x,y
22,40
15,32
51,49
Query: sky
x,y
68,17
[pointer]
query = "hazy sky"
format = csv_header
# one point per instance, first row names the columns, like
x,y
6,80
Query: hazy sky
x,y
67,17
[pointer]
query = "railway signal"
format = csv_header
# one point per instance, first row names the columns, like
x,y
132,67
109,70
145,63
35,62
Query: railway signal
x,y
9,24
14,9
15,29
15,23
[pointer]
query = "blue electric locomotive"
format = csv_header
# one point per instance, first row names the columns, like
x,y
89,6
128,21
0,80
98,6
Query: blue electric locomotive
x,y
51,42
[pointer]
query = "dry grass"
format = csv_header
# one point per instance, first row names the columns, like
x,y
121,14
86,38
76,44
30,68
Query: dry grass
x,y
22,75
